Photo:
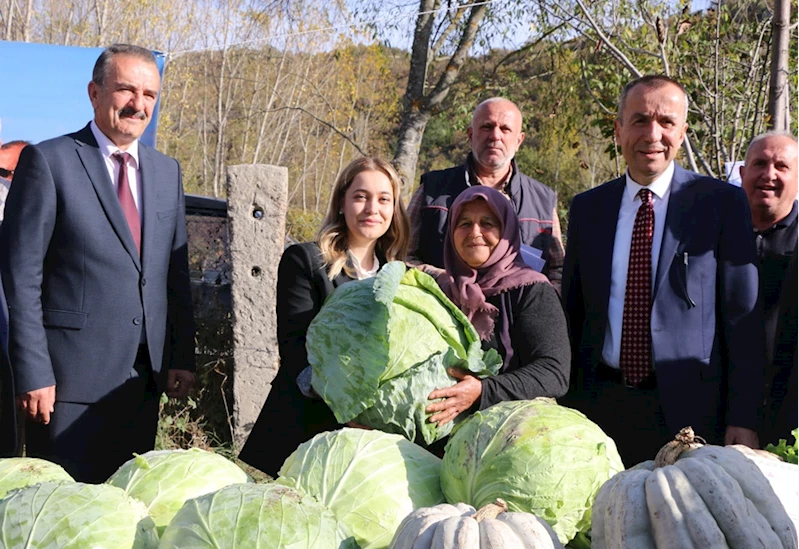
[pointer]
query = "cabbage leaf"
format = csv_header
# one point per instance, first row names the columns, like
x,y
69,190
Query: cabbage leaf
x,y
540,457
60,515
255,515
370,480
380,346
165,479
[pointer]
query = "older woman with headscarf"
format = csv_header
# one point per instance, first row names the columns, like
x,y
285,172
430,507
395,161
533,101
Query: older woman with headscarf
x,y
514,308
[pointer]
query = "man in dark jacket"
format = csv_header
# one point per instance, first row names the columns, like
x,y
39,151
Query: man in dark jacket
x,y
495,135
769,178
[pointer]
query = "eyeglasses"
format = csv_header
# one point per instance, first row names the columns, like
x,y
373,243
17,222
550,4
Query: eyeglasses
x,y
8,174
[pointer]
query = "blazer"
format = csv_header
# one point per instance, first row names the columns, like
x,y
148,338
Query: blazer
x,y
288,418
707,329
78,293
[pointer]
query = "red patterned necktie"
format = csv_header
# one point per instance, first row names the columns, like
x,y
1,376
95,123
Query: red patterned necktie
x,y
126,199
635,358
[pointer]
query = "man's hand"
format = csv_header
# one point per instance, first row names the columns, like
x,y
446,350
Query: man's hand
x,y
179,383
458,398
740,435
37,405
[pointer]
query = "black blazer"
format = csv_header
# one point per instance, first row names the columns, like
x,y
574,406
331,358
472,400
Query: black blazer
x,y
288,418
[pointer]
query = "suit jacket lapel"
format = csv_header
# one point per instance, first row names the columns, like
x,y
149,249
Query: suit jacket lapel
x,y
677,217
97,172
605,234
149,191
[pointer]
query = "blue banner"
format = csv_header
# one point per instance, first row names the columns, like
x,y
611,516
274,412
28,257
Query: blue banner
x,y
45,93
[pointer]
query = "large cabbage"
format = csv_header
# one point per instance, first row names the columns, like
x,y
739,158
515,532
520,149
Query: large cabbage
x,y
369,479
380,346
254,515
57,515
540,457
165,479
21,472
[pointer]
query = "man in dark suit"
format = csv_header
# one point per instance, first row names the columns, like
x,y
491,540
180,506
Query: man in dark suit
x,y
660,289
94,265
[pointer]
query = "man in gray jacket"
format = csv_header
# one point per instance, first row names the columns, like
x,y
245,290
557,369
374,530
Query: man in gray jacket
x,y
495,135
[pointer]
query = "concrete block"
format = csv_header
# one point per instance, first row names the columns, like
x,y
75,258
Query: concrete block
x,y
257,203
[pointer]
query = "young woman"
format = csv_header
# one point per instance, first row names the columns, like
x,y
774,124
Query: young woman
x,y
514,309
365,226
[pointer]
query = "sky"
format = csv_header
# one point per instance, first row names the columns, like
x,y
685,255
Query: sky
x,y
49,95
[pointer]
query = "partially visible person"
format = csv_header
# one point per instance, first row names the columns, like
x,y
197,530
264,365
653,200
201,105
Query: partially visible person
x,y
769,178
8,416
9,156
781,410
514,309
365,226
660,287
495,135
94,261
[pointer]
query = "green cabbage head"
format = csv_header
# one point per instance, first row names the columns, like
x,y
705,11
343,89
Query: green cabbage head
x,y
380,346
254,515
539,457
57,515
165,479
370,480
21,472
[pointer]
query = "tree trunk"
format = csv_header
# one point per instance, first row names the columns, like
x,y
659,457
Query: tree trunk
x,y
778,108
418,107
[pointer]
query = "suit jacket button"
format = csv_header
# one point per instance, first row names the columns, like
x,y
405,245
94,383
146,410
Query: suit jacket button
x,y
657,329
137,320
143,281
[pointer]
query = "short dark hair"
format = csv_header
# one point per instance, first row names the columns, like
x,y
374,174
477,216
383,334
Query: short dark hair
x,y
650,81
101,66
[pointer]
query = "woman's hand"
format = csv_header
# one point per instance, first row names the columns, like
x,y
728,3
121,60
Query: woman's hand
x,y
458,398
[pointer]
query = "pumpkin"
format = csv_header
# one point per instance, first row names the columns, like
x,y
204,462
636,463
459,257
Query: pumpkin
x,y
691,495
459,526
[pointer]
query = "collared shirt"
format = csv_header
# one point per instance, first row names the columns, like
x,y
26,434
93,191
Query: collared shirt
x,y
107,148
775,247
661,190
5,185
360,272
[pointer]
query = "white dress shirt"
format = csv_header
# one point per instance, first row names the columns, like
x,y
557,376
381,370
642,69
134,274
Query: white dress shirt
x,y
661,189
107,148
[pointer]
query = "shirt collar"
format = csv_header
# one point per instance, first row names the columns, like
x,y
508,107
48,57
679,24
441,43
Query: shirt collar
x,y
786,221
107,147
360,272
472,179
658,187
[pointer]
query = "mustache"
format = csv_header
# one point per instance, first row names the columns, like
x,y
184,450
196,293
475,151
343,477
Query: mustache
x,y
129,111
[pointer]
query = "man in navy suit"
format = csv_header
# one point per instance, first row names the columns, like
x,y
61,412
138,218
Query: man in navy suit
x,y
95,270
700,350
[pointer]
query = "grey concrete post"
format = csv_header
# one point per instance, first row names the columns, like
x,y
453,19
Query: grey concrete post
x,y
257,202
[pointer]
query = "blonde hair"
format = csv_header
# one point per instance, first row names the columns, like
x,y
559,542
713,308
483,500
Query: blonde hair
x,y
332,236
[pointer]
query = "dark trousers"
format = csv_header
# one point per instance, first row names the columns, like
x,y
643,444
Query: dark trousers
x,y
632,417
91,441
